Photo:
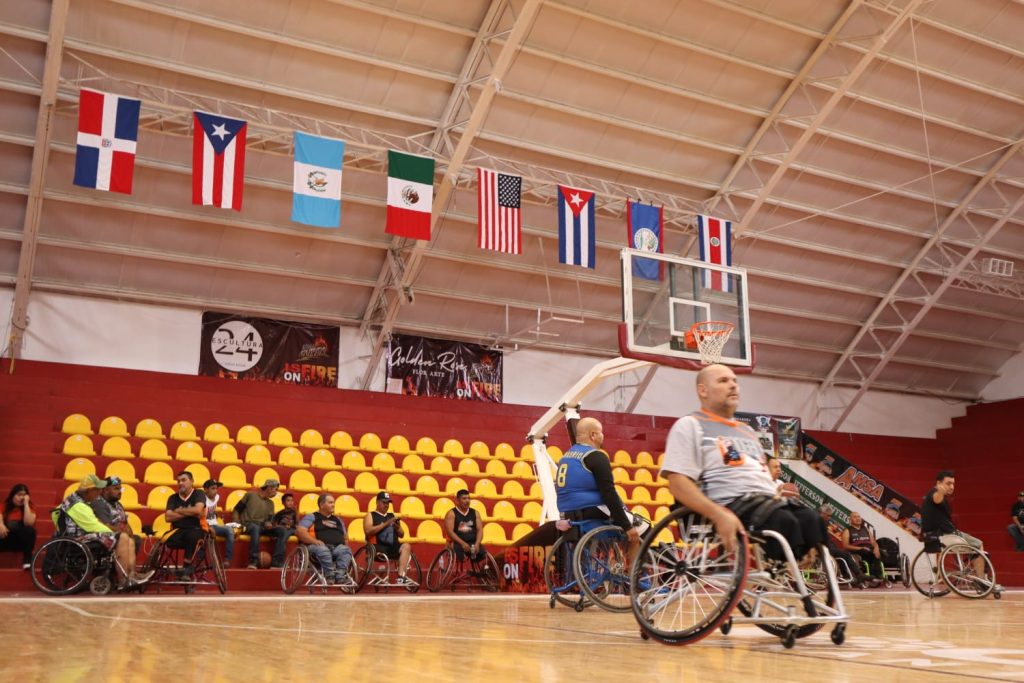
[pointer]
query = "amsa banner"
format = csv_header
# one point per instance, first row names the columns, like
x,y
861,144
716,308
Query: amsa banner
x,y
239,347
418,366
779,436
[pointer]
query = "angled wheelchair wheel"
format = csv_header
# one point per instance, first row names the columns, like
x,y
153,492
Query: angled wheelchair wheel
x,y
414,573
924,574
215,566
956,566
439,573
683,591
905,576
559,577
600,562
490,575
816,580
61,567
293,573
359,567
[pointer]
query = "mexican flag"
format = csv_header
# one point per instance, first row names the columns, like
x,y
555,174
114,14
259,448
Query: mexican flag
x,y
410,195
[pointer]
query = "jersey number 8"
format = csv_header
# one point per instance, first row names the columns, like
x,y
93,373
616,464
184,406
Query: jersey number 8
x,y
560,479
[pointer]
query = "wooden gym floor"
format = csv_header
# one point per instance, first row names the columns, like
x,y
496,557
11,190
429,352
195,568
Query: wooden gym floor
x,y
894,636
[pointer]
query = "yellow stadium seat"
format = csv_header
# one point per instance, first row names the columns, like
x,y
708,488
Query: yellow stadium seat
x,y
413,508
622,459
117,447
347,506
644,459
641,496
426,446
384,462
307,503
441,507
663,496
159,473
154,449
455,484
453,449
233,477
130,497
485,488
123,469
555,453
225,454
535,492
643,477
532,511
232,501
262,475
427,486
323,459
281,436
513,490
661,512
311,438
356,533
149,429
134,523
78,445
620,475
113,426
480,508
661,458
335,482
642,511
523,470
258,454
496,469
189,451
503,451
398,483
494,534
366,482
78,468
303,480
342,441
621,491
72,487
407,536
157,498
353,461
249,435
291,457
413,464
217,433
429,531
76,424
160,524
526,452
200,473
521,530
399,445
478,449
505,511
468,468
370,443
183,431
441,465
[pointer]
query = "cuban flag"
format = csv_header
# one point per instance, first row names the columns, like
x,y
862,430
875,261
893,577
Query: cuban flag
x,y
108,129
218,160
643,223
576,241
715,238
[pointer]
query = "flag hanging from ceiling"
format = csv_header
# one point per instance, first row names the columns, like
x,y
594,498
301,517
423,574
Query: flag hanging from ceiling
x,y
218,160
643,223
576,241
108,129
715,238
316,198
499,212
410,195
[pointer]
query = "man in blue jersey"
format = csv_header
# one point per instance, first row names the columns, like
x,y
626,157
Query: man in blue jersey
x,y
586,490
717,467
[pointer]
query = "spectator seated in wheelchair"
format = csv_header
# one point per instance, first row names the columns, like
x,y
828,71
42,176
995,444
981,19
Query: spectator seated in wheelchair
x,y
186,511
324,536
76,518
386,533
859,541
716,467
465,530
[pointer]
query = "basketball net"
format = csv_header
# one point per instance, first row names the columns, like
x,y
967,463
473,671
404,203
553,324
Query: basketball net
x,y
711,337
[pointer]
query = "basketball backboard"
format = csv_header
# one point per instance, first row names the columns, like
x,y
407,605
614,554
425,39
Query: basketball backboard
x,y
657,313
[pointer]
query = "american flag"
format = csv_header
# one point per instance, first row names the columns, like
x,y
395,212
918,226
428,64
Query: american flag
x,y
500,221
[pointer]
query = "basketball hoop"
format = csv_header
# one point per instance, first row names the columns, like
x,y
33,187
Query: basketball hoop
x,y
710,337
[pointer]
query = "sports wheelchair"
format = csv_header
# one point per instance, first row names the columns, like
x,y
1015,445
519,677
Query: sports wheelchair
x,y
65,565
375,568
446,570
937,569
302,569
169,569
592,570
682,591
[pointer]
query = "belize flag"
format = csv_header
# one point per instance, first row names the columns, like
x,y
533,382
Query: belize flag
x,y
643,223
715,238
108,129
218,160
576,227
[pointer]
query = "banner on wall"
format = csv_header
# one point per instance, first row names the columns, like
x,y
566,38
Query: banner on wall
x,y
862,485
814,498
418,366
779,435
240,347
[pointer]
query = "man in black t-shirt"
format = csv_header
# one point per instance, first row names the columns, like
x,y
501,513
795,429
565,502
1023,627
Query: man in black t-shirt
x,y
1016,527
324,534
385,530
185,511
464,528
937,518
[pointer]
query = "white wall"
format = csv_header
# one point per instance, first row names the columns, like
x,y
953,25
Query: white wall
x,y
1009,384
69,329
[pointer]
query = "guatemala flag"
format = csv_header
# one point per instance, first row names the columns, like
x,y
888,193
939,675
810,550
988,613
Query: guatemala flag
x,y
644,224
317,181
576,240
108,128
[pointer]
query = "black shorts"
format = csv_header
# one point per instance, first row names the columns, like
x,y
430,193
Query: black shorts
x,y
389,551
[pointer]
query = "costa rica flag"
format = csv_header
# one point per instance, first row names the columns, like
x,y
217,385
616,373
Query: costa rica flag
x,y
108,130
715,239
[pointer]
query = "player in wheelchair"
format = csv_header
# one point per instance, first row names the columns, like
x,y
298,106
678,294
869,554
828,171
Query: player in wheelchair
x,y
323,557
389,560
84,551
463,562
717,472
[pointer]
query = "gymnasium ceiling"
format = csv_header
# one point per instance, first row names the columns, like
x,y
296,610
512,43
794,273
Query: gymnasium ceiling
x,y
867,151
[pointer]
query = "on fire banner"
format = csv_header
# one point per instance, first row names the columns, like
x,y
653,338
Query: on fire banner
x,y
418,366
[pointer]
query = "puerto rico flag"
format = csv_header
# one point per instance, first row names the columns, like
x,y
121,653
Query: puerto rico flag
x,y
108,129
715,238
576,227
218,160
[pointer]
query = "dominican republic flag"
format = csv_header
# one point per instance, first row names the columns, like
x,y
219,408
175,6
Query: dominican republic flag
x,y
576,241
643,224
316,198
715,237
108,128
410,195
499,211
218,160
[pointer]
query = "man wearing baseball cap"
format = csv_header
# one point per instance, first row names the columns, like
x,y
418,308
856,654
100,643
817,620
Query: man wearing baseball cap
x,y
75,517
210,488
385,532
255,512
1016,527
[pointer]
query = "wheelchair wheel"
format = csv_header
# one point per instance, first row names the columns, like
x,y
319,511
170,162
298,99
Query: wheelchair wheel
x,y
683,591
924,573
559,577
490,575
816,580
61,567
220,577
905,576
293,573
956,566
359,568
414,573
440,570
603,570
